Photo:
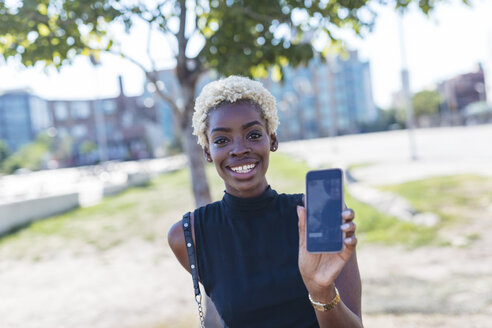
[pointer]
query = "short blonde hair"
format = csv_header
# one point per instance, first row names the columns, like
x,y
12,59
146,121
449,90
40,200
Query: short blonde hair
x,y
230,90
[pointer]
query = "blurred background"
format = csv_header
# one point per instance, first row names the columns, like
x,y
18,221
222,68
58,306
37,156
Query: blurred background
x,y
97,159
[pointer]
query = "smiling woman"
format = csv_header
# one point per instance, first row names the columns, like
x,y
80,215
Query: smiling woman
x,y
239,147
248,250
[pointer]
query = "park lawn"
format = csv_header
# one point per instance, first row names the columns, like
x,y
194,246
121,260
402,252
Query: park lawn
x,y
450,197
148,212
460,201
376,227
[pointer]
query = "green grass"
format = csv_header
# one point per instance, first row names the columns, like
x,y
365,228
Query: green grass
x,y
450,197
376,227
458,200
148,212
286,175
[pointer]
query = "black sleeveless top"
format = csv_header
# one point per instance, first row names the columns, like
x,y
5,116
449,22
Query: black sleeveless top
x,y
247,251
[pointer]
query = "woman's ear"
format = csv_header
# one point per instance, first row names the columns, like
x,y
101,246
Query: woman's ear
x,y
206,154
273,142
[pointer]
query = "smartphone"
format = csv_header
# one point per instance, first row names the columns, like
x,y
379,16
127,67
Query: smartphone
x,y
324,205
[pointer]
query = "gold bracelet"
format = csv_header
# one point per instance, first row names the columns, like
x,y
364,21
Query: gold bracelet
x,y
326,307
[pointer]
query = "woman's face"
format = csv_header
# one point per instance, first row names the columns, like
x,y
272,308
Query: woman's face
x,y
239,146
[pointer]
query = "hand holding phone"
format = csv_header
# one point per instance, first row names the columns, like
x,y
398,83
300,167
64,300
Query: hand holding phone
x,y
324,205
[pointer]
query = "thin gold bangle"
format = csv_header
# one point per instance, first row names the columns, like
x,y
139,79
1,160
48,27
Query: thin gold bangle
x,y
326,307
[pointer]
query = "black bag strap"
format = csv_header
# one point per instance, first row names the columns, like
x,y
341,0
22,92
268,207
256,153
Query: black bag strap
x,y
193,267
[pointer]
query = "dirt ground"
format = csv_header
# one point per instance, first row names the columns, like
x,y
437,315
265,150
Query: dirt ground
x,y
449,286
428,287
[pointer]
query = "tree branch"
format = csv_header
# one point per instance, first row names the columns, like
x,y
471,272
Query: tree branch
x,y
149,38
151,76
182,42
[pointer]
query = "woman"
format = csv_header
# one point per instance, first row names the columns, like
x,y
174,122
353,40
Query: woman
x,y
250,246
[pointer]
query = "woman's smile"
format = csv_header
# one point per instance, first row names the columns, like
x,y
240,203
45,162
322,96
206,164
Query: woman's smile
x,y
243,169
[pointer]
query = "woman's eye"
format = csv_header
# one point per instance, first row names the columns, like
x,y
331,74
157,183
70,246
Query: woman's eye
x,y
220,140
254,135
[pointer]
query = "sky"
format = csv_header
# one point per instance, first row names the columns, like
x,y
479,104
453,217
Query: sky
x,y
452,41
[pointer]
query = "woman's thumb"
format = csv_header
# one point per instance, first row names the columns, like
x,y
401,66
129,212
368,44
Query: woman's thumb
x,y
301,213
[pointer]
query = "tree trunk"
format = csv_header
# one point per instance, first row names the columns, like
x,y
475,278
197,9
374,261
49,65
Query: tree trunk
x,y
199,182
193,150
201,190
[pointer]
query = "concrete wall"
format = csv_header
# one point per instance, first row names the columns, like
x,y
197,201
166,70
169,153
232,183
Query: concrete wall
x,y
71,188
17,214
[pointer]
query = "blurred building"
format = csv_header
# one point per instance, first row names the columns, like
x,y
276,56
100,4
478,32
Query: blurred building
x,y
325,98
126,127
462,90
353,92
22,117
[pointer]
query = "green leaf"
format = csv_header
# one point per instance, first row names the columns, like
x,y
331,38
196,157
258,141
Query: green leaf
x,y
43,29
276,73
42,9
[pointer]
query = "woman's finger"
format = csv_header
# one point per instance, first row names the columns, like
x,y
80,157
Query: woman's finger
x,y
348,228
350,242
348,215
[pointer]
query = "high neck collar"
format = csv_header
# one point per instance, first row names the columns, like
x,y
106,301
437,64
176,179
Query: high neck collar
x,y
252,203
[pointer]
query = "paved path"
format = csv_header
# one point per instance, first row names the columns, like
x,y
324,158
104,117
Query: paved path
x,y
386,155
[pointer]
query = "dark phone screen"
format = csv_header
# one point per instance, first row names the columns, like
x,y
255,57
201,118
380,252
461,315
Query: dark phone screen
x,y
324,210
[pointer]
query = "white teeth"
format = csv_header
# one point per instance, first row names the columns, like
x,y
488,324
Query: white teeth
x,y
243,168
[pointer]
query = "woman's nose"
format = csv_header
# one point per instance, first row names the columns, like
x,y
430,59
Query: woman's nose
x,y
238,149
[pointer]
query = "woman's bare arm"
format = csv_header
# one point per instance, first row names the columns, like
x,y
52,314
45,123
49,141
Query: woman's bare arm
x,y
176,240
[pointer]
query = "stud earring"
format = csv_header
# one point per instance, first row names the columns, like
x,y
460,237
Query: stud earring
x,y
273,148
209,159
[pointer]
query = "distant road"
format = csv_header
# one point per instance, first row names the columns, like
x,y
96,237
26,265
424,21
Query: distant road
x,y
384,157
